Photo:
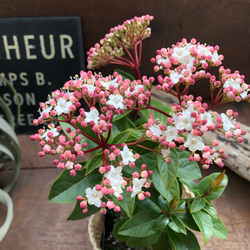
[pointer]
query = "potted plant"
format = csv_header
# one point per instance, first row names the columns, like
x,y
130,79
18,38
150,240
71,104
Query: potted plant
x,y
10,157
120,150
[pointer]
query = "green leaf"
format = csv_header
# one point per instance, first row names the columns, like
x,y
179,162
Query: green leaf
x,y
166,177
168,171
163,243
120,116
6,200
197,204
140,225
182,241
124,74
219,229
188,220
177,225
209,208
161,223
120,238
95,162
149,204
187,169
206,185
77,213
121,125
66,188
144,241
159,105
127,203
205,224
124,137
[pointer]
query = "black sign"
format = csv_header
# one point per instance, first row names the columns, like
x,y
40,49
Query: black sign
x,y
37,56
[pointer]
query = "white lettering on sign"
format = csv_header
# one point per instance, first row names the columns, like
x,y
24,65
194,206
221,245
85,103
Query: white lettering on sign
x,y
29,46
12,77
66,46
28,99
52,47
35,46
8,47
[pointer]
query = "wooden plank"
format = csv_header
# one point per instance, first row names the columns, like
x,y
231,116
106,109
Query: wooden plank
x,y
39,224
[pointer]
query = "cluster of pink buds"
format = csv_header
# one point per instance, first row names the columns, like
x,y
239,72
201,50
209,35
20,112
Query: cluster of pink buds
x,y
234,86
120,39
113,181
191,119
185,62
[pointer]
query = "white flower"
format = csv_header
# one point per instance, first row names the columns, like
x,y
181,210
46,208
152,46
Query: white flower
x,y
207,116
115,177
62,106
117,189
94,197
90,87
69,165
175,76
171,134
137,87
194,143
114,174
164,60
214,156
93,115
116,100
46,110
53,131
155,130
183,120
137,185
127,155
108,83
165,152
227,124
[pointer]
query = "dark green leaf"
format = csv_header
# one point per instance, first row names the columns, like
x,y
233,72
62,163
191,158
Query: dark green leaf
x,y
143,241
209,208
206,184
161,223
159,105
66,188
77,213
187,169
95,162
127,203
219,229
149,204
177,225
124,74
197,204
140,225
188,220
182,241
163,243
120,238
205,224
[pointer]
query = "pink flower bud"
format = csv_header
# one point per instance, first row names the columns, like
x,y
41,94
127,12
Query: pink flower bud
x,y
117,209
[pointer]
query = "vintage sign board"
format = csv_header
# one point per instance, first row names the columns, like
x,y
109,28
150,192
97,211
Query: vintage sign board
x,y
37,55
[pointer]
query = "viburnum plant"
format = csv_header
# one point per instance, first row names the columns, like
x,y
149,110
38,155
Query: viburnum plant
x,y
122,150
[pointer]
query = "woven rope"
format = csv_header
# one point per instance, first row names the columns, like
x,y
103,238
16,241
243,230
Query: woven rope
x,y
95,228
